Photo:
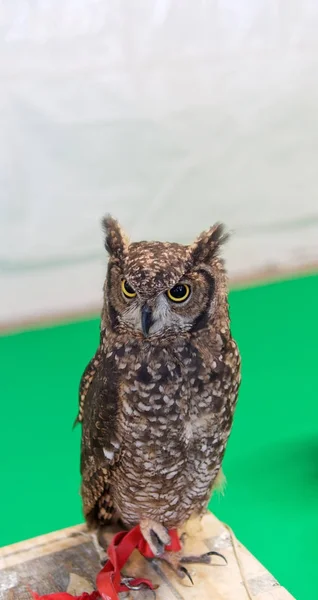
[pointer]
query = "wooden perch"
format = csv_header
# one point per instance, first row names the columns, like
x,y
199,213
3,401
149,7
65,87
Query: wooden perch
x,y
68,560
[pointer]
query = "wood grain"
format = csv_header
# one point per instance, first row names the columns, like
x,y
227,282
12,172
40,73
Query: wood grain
x,y
68,560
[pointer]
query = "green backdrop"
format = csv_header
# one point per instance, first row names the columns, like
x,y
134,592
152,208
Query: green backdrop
x,y
271,464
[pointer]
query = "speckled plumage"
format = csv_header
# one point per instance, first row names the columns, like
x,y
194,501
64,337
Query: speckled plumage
x,y
157,411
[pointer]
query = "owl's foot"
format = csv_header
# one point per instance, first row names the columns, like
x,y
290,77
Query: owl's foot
x,y
176,562
156,535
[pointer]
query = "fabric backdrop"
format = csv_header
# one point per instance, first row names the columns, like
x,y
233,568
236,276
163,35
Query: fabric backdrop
x,y
170,115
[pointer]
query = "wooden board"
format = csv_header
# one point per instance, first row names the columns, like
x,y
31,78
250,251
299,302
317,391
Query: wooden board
x,y
68,560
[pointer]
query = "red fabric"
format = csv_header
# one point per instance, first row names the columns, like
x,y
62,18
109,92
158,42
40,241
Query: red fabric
x,y
65,596
108,580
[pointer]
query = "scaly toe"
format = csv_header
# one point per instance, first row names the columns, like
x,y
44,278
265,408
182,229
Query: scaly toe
x,y
173,561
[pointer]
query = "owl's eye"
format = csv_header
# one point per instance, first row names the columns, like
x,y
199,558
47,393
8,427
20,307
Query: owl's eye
x,y
127,290
179,292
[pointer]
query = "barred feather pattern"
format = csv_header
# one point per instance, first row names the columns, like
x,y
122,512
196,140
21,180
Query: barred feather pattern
x,y
157,410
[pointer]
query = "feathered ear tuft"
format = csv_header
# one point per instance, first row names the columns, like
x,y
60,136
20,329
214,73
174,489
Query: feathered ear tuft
x,y
207,245
115,239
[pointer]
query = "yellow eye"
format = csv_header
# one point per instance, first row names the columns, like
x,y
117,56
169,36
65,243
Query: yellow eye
x,y
179,292
127,290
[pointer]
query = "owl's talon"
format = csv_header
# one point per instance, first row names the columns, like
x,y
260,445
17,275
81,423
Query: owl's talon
x,y
204,559
182,572
214,553
173,561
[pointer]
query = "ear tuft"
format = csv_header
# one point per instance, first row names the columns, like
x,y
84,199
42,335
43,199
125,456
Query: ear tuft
x,y
115,239
207,245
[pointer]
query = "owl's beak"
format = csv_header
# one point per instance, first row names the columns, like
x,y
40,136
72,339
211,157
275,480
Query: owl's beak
x,y
146,319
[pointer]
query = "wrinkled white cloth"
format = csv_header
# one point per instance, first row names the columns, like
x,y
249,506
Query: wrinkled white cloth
x,y
169,114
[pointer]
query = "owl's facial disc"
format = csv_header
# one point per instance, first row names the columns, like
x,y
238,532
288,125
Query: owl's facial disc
x,y
158,314
184,306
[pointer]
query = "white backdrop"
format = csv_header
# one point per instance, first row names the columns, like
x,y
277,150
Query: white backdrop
x,y
168,114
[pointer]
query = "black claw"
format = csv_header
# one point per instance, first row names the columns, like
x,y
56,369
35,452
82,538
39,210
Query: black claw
x,y
214,553
186,572
203,559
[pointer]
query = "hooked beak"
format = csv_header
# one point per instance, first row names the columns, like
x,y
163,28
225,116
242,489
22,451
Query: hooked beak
x,y
146,319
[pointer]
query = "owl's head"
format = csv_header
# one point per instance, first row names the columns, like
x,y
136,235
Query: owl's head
x,y
155,289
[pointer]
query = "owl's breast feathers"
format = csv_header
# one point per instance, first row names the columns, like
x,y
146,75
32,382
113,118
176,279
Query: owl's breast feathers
x,y
156,422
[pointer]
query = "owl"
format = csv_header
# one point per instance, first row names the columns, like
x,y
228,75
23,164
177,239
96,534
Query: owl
x,y
157,399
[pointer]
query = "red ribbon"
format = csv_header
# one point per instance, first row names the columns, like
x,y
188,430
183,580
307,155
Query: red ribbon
x,y
108,580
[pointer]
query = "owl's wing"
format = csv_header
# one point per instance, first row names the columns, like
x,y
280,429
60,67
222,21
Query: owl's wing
x,y
100,446
85,382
